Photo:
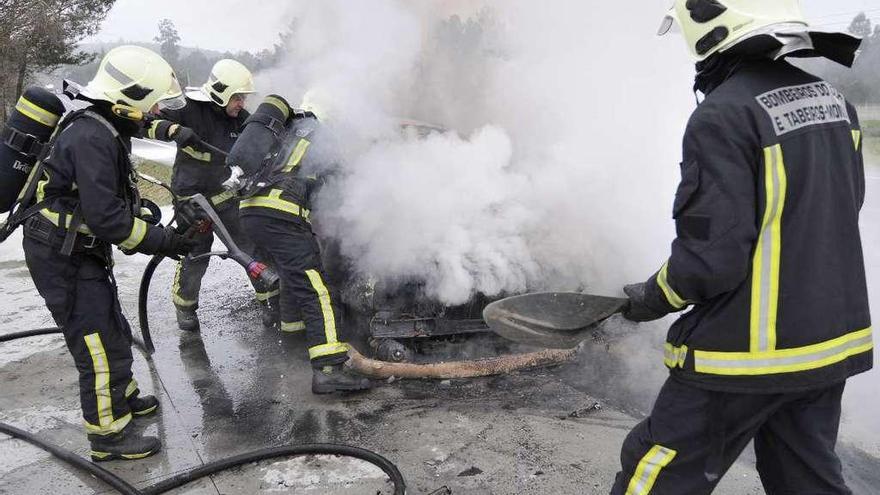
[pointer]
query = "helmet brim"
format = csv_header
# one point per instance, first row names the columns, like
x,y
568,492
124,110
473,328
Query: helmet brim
x,y
173,103
197,94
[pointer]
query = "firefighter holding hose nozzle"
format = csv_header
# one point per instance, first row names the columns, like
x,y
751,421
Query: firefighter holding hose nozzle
x,y
276,212
80,199
204,130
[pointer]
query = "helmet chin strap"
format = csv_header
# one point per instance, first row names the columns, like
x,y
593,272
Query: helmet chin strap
x,y
127,112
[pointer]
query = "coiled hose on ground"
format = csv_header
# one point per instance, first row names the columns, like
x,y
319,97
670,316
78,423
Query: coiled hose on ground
x,y
194,474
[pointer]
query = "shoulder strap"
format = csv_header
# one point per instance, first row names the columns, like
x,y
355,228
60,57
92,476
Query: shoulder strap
x,y
22,209
106,123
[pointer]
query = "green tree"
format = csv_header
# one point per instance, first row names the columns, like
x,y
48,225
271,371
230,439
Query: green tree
x,y
41,35
168,40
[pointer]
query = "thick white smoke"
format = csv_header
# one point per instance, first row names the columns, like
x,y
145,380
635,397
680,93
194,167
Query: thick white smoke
x,y
560,166
565,122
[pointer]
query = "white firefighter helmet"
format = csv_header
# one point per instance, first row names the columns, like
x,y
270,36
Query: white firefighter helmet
x,y
710,26
228,77
318,102
136,77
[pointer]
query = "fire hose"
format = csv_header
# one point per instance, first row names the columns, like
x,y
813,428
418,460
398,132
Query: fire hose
x,y
457,369
361,364
211,468
196,213
255,270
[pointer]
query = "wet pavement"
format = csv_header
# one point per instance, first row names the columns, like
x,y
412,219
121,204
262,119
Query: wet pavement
x,y
236,387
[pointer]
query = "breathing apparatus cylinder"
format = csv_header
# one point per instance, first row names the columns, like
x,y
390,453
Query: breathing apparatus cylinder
x,y
23,138
264,130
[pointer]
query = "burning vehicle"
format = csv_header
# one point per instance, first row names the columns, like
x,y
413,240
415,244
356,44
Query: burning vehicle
x,y
397,316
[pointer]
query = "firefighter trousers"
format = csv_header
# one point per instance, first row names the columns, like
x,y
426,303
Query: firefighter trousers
x,y
306,301
80,292
693,436
188,277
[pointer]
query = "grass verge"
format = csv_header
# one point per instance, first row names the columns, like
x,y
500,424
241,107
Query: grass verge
x,y
152,191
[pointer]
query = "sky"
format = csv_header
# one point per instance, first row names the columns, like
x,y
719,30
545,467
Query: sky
x,y
247,25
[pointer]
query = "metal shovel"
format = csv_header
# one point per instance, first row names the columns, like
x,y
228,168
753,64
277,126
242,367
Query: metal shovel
x,y
557,320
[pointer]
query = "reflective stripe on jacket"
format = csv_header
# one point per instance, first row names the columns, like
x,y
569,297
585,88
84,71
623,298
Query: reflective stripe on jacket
x,y
305,153
768,253
198,170
89,167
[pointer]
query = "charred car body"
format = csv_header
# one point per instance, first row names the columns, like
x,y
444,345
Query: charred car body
x,y
389,314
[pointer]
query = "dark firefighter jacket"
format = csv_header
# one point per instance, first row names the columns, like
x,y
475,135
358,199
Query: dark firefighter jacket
x,y
305,157
198,170
91,168
768,251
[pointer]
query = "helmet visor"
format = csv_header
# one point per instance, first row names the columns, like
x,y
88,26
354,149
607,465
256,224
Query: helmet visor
x,y
173,99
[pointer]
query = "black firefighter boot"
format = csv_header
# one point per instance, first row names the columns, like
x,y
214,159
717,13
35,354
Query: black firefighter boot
x,y
143,405
125,445
187,320
337,378
270,312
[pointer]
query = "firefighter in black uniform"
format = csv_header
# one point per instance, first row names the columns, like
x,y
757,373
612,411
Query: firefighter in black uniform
x,y
214,113
767,256
88,187
277,217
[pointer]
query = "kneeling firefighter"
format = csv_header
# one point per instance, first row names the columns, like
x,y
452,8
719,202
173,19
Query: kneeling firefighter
x,y
275,213
768,256
80,199
214,114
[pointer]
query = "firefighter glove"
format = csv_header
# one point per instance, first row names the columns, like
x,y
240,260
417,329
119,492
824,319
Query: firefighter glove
x,y
638,309
233,183
184,136
175,245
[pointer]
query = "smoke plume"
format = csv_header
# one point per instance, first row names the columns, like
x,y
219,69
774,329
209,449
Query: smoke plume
x,y
559,165
563,136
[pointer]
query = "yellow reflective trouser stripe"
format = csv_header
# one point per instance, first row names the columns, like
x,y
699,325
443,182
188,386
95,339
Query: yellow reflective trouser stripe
x,y
674,356
130,389
784,360
101,368
857,138
203,156
328,350
36,113
175,290
279,104
138,232
674,299
265,296
648,469
333,346
296,156
296,326
275,203
765,266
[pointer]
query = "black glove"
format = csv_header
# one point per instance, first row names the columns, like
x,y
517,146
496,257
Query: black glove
x,y
184,136
638,310
175,246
